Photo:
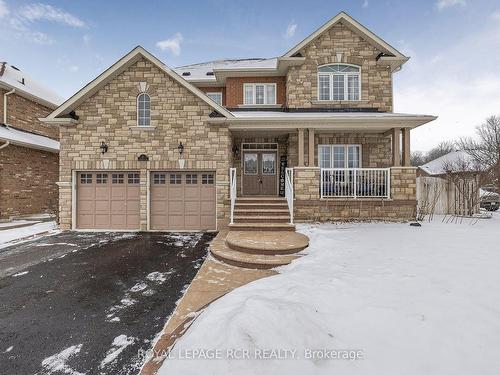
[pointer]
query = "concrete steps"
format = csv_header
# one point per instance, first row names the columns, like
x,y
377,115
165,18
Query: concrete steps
x,y
275,227
245,260
266,243
261,214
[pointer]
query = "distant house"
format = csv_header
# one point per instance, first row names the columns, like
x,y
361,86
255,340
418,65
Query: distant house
x,y
29,149
449,185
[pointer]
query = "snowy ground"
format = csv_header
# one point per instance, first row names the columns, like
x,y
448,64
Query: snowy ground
x,y
399,299
14,236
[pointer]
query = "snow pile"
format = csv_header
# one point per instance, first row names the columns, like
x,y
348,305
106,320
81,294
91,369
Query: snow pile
x,y
118,346
11,237
410,300
56,364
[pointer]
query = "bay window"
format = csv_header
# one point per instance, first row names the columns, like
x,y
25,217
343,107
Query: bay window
x,y
339,156
339,82
259,93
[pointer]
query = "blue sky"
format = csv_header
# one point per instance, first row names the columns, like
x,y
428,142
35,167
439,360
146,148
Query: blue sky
x,y
454,45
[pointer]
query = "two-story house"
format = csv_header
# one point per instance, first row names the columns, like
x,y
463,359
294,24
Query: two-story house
x,y
29,159
258,143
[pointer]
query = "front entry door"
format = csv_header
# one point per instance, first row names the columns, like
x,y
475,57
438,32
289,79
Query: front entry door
x,y
259,173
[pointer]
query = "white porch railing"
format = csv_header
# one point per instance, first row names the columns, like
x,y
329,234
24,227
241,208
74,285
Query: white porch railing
x,y
355,182
289,191
232,190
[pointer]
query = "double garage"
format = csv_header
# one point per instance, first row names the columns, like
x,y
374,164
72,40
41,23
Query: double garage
x,y
178,201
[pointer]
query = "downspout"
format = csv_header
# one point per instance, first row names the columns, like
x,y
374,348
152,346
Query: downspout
x,y
5,104
5,145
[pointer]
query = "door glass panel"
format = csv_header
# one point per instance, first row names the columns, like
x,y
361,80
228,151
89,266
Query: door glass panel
x,y
338,157
353,157
250,164
269,163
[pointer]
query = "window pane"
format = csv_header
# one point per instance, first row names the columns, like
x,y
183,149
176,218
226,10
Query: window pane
x,y
249,94
353,160
215,96
143,110
338,157
324,87
269,163
324,156
353,87
207,178
270,94
338,87
259,94
250,164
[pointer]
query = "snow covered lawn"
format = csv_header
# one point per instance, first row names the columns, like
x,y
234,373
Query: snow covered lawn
x,y
10,237
403,300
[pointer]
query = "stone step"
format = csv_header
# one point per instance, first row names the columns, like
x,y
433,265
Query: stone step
x,y
261,212
245,260
261,206
262,226
260,219
266,243
261,199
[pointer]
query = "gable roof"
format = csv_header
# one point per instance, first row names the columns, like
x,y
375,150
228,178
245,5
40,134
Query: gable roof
x,y
354,25
117,68
13,78
454,161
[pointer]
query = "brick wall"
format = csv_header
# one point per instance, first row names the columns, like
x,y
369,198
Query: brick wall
x,y
27,181
234,89
24,113
176,115
376,81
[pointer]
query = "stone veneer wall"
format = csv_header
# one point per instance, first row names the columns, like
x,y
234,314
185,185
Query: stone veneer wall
x,y
27,181
177,115
309,207
376,81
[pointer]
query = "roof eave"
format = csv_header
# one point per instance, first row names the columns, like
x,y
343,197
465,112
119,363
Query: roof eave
x,y
28,95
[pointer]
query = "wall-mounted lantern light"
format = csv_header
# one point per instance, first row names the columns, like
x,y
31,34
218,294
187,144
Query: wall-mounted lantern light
x,y
236,150
180,148
103,147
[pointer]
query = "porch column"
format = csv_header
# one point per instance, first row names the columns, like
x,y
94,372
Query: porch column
x,y
301,147
311,148
396,144
406,147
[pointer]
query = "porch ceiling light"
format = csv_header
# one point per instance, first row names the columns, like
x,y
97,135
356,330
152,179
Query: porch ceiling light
x,y
180,148
103,147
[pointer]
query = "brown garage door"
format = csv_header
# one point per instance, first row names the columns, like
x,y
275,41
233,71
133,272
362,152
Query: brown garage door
x,y
183,201
108,200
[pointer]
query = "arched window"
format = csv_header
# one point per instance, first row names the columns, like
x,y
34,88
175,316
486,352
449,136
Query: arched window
x,y
143,110
339,82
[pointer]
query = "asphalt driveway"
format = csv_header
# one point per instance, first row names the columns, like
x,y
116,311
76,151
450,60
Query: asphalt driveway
x,y
90,302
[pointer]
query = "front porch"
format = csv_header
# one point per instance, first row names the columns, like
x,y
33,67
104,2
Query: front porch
x,y
327,175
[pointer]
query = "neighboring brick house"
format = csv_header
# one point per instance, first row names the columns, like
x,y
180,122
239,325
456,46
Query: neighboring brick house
x,y
29,159
145,147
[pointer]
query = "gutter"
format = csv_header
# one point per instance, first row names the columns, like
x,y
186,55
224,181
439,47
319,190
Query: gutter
x,y
5,104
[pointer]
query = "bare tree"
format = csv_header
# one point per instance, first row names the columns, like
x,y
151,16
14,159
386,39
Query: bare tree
x,y
485,149
417,158
441,149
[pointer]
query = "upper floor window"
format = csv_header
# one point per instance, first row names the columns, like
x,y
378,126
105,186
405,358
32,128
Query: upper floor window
x,y
339,82
215,96
259,93
143,110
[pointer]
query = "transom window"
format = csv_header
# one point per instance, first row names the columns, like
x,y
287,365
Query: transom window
x,y
133,178
101,178
143,110
86,178
339,82
175,179
339,156
207,178
191,179
117,178
159,178
259,93
215,96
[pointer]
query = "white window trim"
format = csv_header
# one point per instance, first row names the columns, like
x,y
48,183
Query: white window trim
x,y
215,92
254,97
137,110
346,153
346,83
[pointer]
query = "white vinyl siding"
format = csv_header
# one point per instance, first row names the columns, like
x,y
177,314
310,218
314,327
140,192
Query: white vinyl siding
x,y
259,93
339,82
339,156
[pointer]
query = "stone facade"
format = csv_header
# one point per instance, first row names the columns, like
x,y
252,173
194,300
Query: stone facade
x,y
376,81
27,181
177,115
23,114
309,206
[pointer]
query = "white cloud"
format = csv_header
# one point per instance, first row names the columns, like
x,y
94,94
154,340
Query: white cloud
x,y
4,10
45,12
173,44
442,4
365,4
33,36
290,30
